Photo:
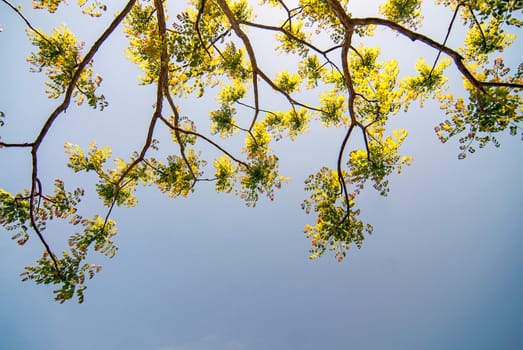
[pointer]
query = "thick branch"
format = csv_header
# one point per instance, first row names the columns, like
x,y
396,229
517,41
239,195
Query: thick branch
x,y
501,84
197,27
162,80
349,29
414,36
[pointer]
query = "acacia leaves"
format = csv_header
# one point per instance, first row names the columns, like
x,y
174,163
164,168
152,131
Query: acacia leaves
x,y
225,174
15,212
406,12
73,268
337,225
378,161
15,216
59,55
116,186
141,29
50,5
487,112
93,8
429,79
177,176
484,39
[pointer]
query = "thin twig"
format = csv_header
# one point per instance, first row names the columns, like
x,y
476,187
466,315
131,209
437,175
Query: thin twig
x,y
446,37
27,22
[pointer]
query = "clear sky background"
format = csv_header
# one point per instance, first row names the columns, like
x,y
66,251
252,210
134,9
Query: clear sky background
x,y
441,271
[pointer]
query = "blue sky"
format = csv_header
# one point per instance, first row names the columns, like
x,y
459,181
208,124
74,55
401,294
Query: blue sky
x,y
441,271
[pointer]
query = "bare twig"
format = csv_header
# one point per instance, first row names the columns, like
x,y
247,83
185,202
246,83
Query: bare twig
x,y
27,22
20,145
446,37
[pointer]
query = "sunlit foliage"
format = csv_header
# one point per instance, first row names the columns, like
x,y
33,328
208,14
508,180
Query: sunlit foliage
x,y
325,70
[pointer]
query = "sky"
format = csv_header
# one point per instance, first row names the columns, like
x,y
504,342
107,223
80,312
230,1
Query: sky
x,y
442,269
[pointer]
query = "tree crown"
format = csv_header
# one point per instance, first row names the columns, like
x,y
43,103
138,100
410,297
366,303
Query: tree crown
x,y
328,75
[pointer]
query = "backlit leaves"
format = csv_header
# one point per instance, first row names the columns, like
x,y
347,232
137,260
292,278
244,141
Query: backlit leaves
x,y
225,174
429,81
261,177
287,82
141,29
378,161
333,108
403,11
93,8
215,48
487,112
312,70
176,177
73,270
15,210
483,39
257,144
290,124
59,55
376,83
14,215
293,43
337,225
223,121
50,5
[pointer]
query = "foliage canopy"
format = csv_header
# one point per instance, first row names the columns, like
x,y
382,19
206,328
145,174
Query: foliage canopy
x,y
209,47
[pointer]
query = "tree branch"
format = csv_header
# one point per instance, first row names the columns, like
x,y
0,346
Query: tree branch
x,y
414,36
250,51
21,145
61,108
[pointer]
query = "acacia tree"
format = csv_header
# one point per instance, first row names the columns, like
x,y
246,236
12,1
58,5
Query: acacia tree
x,y
209,46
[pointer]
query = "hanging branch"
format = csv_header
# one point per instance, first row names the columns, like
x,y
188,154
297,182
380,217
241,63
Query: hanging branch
x,y
54,115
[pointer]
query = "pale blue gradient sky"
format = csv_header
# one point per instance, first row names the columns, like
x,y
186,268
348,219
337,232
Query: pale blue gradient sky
x,y
441,271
